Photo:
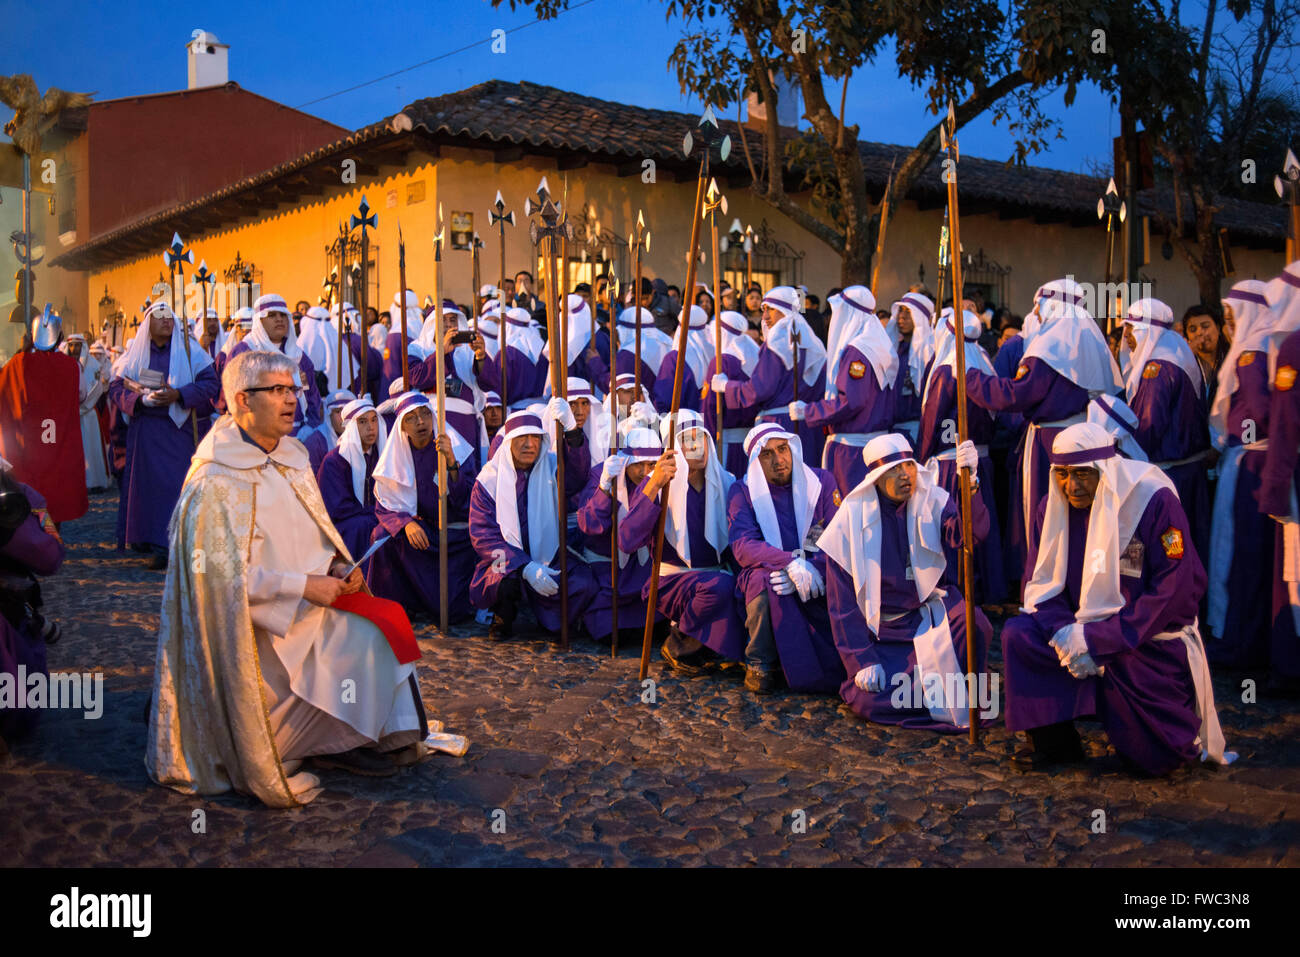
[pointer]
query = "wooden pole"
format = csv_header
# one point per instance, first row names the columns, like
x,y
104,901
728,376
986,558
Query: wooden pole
x,y
880,234
475,245
558,381
959,332
717,314
636,303
442,422
678,375
401,279
613,450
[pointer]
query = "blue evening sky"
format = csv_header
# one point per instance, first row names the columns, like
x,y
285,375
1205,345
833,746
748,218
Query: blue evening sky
x,y
296,53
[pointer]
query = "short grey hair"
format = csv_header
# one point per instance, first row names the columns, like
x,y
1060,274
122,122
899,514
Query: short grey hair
x,y
247,370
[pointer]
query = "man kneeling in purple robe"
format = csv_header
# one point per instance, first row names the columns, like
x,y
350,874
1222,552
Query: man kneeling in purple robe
x,y
697,587
515,528
898,617
406,568
1109,626
346,475
776,514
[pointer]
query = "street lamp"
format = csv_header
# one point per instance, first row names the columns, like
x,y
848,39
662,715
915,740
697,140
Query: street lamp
x,y
1291,170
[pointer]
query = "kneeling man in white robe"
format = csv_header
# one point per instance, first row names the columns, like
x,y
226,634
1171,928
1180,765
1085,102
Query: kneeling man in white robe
x,y
255,669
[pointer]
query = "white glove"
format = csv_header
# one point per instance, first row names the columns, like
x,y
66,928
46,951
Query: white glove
x,y
645,412
797,410
967,457
1069,645
719,382
558,409
870,678
150,399
805,578
781,583
613,468
1083,667
542,579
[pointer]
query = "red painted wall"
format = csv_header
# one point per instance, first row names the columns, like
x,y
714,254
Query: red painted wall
x,y
149,153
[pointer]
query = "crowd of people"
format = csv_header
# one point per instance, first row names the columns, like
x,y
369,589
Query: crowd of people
x,y
1133,518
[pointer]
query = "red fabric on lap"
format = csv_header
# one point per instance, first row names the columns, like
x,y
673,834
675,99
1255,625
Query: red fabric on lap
x,y
389,617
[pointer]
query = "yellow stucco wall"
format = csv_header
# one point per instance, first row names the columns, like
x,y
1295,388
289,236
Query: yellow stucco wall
x,y
288,245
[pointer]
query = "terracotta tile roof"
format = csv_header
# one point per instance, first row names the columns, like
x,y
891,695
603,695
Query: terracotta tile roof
x,y
501,115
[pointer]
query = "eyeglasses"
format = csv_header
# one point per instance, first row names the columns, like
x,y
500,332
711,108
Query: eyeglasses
x,y
279,391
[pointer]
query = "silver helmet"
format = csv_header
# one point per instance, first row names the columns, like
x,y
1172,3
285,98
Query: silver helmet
x,y
46,329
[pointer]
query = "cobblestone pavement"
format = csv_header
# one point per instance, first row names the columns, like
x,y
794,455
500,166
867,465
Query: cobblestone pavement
x,y
580,771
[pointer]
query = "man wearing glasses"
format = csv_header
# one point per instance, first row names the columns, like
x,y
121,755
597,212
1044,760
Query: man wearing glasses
x,y
259,664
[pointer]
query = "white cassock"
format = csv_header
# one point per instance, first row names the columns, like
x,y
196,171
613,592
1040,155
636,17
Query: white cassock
x,y
92,440
332,682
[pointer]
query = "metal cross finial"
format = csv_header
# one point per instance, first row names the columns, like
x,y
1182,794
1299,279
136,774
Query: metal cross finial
x,y
177,253
707,134
497,213
366,218
202,276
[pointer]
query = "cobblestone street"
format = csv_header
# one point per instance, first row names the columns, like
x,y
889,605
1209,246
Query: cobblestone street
x,y
585,773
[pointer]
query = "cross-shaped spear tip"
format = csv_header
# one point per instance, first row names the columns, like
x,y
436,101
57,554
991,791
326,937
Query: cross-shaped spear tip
x,y
500,202
708,116
640,219
1110,187
1292,165
952,116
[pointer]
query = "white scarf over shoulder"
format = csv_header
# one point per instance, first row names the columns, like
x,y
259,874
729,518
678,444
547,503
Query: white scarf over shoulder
x,y
395,478
498,479
1151,320
717,484
350,447
807,487
1070,341
854,312
921,348
779,338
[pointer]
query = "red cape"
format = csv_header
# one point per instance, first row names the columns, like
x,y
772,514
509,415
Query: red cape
x,y
40,429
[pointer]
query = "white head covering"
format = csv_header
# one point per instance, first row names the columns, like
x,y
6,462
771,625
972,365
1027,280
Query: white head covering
x,y
1256,331
196,325
655,343
596,428
779,338
244,320
498,479
1283,293
259,339
350,447
736,342
717,483
580,327
414,317
1070,341
320,342
699,345
852,538
855,310
1151,320
395,478
1113,414
523,334
807,487
976,357
921,348
180,370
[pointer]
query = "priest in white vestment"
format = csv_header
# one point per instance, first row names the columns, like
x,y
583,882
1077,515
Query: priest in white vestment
x,y
255,671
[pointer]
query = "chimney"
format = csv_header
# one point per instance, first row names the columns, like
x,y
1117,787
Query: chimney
x,y
207,60
788,110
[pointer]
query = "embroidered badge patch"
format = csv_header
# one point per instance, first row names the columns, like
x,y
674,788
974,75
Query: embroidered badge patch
x,y
1172,541
835,497
1285,378
857,370
704,393
1245,359
1151,371
385,355
1021,372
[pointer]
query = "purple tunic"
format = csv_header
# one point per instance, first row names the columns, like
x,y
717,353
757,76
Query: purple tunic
x,y
939,419
766,395
595,508
157,453
1145,700
735,422
662,393
703,602
354,520
893,648
1279,478
526,379
1040,394
907,405
409,575
1172,425
352,367
801,629
860,407
498,560
30,550
459,406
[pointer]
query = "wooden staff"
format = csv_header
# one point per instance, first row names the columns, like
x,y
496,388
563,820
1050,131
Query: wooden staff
x,y
613,450
498,217
636,299
401,279
959,331
441,364
880,233
475,245
678,376
176,257
714,201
